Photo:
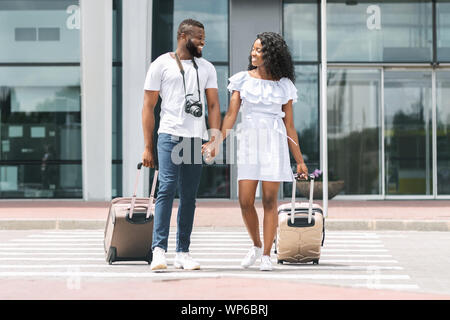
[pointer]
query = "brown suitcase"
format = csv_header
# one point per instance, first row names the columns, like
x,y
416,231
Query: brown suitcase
x,y
301,230
129,227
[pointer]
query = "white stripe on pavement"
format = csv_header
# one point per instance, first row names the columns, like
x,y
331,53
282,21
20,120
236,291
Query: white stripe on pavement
x,y
193,240
170,260
215,260
172,254
50,249
58,246
387,286
190,274
353,245
30,245
51,253
207,267
194,236
101,231
51,259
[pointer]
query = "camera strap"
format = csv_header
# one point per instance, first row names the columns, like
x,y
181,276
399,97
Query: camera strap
x,y
182,73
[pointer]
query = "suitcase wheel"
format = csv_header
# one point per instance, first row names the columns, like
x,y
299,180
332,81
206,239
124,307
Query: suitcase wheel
x,y
280,261
316,261
111,256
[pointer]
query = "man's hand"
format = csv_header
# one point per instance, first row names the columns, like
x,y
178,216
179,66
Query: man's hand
x,y
148,159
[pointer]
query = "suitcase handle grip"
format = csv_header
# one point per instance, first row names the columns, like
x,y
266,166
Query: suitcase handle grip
x,y
311,193
152,193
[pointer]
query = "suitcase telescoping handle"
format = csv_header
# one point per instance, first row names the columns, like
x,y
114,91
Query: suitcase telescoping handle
x,y
311,192
152,193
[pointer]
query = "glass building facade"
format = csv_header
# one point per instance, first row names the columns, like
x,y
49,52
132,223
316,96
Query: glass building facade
x,y
40,123
388,92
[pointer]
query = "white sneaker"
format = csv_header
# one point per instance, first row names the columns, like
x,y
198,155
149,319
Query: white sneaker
x,y
159,259
252,255
184,261
266,264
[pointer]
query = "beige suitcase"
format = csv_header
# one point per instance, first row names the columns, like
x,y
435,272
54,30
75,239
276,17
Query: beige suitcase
x,y
129,227
301,230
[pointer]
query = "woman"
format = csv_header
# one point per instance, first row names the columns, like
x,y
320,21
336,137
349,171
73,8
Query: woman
x,y
266,93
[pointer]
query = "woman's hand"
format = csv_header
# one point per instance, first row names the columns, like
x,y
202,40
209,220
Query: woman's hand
x,y
302,171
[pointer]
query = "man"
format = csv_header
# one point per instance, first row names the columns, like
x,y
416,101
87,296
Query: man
x,y
182,123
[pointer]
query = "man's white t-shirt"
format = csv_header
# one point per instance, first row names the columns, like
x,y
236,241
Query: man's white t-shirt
x,y
164,76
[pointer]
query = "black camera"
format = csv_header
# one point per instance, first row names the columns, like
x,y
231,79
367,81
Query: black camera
x,y
193,106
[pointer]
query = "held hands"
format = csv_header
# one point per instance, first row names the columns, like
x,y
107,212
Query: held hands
x,y
209,151
302,171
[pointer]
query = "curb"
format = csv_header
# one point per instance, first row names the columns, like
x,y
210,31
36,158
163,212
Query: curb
x,y
388,225
331,224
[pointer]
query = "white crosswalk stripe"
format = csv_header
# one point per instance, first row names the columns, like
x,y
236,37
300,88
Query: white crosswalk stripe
x,y
357,259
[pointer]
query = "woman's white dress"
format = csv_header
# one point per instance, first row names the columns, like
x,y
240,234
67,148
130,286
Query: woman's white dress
x,y
262,151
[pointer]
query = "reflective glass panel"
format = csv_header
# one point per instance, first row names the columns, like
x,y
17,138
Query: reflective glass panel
x,y
300,28
408,132
167,15
443,30
40,132
117,132
380,31
116,188
40,31
306,119
354,129
443,131
214,16
117,30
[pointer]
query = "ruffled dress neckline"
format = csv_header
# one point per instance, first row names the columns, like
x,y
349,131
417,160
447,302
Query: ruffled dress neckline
x,y
262,91
248,73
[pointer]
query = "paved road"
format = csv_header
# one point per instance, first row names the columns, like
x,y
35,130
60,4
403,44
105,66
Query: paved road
x,y
401,261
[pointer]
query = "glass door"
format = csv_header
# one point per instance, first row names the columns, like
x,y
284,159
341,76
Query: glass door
x,y
443,131
408,132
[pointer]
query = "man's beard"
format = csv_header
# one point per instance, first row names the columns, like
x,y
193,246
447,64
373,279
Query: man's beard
x,y
190,46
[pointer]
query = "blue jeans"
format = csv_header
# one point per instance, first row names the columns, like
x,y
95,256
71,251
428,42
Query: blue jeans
x,y
173,174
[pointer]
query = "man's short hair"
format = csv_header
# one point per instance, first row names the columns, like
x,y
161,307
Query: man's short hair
x,y
185,26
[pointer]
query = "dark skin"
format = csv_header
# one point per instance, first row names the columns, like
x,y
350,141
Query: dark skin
x,y
197,36
247,188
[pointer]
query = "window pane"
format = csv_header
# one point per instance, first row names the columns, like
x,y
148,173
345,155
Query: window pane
x,y
443,132
40,130
41,180
40,31
306,119
222,82
382,31
407,110
354,130
116,187
214,16
443,30
117,30
300,29
117,132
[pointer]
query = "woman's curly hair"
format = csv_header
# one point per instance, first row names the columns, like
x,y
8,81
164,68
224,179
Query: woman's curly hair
x,y
276,55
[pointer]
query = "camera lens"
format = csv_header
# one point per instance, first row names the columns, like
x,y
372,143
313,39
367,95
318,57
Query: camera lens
x,y
196,111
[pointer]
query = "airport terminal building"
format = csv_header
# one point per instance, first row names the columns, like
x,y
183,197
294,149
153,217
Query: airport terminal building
x,y
72,76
